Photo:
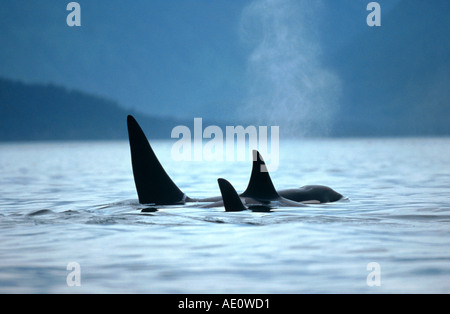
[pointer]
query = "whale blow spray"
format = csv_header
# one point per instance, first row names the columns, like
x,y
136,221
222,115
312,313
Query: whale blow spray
x,y
287,84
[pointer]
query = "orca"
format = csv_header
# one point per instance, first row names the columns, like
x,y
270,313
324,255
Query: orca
x,y
233,202
312,194
260,194
155,187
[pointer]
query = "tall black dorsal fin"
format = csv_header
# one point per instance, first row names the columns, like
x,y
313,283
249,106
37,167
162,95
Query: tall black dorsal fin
x,y
231,200
260,186
153,185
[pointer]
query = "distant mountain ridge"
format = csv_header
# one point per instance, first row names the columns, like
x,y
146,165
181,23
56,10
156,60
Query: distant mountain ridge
x,y
32,112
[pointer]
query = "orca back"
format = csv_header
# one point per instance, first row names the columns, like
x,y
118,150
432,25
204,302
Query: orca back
x,y
260,186
231,200
153,185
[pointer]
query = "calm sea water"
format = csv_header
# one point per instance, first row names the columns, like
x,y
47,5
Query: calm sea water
x,y
76,202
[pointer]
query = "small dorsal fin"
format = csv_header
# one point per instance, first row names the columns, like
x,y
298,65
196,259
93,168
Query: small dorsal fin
x,y
231,200
153,185
260,186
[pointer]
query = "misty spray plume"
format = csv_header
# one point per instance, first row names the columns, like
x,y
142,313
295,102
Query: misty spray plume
x,y
288,86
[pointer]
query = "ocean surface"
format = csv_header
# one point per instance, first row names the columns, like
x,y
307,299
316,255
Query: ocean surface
x,y
74,203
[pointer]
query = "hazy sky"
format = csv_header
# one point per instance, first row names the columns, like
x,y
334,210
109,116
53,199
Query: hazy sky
x,y
219,59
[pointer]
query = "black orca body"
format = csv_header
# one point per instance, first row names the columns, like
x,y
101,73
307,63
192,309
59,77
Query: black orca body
x,y
154,186
311,194
231,200
259,195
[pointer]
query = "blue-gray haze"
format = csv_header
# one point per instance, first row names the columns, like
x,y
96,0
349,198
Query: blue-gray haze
x,y
312,67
